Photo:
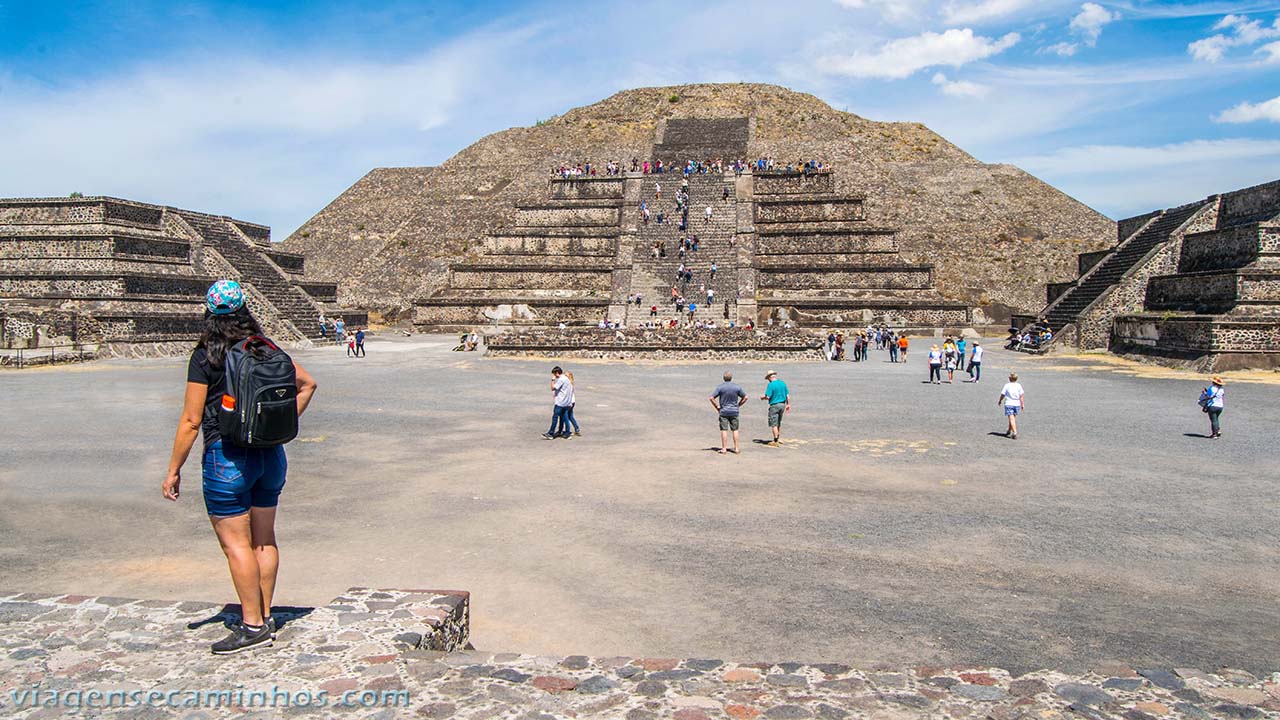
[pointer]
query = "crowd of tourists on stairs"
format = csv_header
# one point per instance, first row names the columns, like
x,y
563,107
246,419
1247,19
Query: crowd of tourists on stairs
x,y
689,167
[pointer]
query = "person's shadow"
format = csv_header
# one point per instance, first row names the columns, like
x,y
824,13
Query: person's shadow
x,y
230,614
1197,435
999,434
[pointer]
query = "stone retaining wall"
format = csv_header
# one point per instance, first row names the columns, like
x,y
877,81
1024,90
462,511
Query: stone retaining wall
x,y
532,279
37,213
321,291
1053,291
846,277
534,245
1086,261
118,212
1250,205
819,210
783,183
92,246
462,312
719,344
809,313
802,243
1194,334
289,262
587,188
1231,248
569,216
1209,292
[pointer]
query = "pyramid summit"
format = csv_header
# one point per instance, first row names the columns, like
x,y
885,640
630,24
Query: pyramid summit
x,y
948,229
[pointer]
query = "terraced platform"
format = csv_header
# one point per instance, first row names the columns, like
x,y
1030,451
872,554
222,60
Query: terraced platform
x,y
133,275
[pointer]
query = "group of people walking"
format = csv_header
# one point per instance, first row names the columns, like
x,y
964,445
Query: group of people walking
x,y
951,357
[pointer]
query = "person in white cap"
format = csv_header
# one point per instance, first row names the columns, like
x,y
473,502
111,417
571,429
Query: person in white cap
x,y
779,399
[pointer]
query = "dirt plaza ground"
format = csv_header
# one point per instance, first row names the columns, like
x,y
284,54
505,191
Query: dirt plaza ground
x,y
893,526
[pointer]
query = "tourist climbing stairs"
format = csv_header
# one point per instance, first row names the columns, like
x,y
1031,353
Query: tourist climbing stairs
x,y
654,278
292,303
1108,272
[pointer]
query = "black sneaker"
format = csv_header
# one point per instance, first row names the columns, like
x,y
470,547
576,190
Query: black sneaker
x,y
548,436
243,638
271,625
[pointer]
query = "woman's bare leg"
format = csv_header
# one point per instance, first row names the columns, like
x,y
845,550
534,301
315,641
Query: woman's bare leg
x,y
235,537
262,523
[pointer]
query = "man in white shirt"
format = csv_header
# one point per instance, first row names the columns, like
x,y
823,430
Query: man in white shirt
x,y
1013,398
975,362
562,389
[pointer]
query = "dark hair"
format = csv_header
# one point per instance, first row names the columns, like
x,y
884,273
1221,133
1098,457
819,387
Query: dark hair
x,y
222,331
556,370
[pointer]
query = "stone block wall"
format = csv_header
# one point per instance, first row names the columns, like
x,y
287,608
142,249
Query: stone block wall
x,y
543,280
1086,261
1206,292
1231,248
1196,334
587,188
460,312
775,183
260,234
550,245
292,263
321,291
845,313
556,217
1250,205
901,278
129,213
812,243
819,210
35,212
1053,291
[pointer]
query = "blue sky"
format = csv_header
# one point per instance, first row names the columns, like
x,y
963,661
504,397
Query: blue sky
x,y
268,110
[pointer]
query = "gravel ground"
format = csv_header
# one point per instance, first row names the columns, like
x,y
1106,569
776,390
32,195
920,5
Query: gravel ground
x,y
893,526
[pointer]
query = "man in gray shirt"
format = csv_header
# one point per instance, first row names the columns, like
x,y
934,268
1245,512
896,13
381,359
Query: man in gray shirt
x,y
727,400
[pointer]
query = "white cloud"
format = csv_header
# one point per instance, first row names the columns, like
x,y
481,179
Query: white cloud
x,y
1247,112
1240,32
1064,49
1090,21
960,88
1123,180
895,10
961,13
1271,51
902,58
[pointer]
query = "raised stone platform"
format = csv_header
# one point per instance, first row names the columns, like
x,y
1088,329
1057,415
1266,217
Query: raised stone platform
x,y
715,344
398,653
135,273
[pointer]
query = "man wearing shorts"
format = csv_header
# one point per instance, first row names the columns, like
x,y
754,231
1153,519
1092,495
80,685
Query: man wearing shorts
x,y
1013,398
727,399
779,399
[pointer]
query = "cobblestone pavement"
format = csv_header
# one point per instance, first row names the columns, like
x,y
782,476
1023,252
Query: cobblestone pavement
x,y
365,655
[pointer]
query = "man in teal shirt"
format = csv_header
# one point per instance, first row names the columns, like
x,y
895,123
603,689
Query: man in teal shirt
x,y
779,399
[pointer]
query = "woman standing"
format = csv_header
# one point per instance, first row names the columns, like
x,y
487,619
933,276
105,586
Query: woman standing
x,y
1212,401
241,485
935,365
573,403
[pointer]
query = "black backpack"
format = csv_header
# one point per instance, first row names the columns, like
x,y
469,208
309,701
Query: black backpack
x,y
260,405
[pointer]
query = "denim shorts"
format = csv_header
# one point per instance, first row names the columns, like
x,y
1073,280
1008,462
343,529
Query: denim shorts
x,y
1011,409
237,478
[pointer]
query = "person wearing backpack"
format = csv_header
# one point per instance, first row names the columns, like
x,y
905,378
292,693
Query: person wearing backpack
x,y
244,395
1211,401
